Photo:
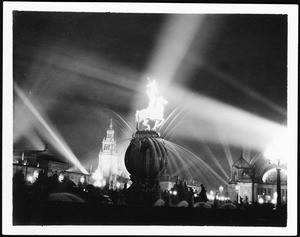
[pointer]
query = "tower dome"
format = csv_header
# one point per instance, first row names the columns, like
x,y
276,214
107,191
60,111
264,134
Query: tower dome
x,y
241,163
241,170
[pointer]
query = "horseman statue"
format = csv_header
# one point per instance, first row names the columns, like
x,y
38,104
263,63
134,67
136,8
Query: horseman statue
x,y
154,112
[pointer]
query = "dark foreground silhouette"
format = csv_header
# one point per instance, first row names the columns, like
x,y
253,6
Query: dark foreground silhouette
x,y
81,213
48,202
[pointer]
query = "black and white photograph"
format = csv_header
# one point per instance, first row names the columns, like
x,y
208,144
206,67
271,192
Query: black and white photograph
x,y
149,118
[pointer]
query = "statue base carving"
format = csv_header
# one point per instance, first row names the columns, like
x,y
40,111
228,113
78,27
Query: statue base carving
x,y
143,192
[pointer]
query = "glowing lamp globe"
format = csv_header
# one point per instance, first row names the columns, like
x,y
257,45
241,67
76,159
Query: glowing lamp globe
x,y
36,174
276,152
221,188
61,177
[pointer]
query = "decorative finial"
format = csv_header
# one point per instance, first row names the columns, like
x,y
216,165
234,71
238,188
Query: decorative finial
x,y
241,152
111,125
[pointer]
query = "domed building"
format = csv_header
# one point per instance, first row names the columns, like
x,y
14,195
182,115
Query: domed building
x,y
256,181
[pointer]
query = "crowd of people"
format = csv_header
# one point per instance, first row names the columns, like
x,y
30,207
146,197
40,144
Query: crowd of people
x,y
182,192
40,190
43,186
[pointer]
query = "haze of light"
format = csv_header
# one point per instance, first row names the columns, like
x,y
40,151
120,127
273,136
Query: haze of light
x,y
59,144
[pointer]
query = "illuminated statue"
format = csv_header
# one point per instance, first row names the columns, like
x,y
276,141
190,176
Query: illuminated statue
x,y
154,111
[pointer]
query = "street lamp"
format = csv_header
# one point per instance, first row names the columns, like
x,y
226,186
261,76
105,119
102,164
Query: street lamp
x,y
273,152
221,189
237,188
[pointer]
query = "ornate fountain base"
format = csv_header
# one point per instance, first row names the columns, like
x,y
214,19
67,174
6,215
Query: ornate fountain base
x,y
145,160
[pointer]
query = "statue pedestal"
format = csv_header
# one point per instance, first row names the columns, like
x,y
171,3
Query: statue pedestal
x,y
140,195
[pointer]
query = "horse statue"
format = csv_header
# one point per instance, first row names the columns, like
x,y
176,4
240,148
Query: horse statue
x,y
154,112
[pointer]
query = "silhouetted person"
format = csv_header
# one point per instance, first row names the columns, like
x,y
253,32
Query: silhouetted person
x,y
191,197
183,192
19,198
202,195
241,200
246,200
216,204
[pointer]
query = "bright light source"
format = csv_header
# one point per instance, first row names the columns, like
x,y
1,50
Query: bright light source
x,y
61,177
36,174
210,197
276,152
195,195
211,193
118,185
174,192
30,179
261,200
274,201
98,183
221,188
82,179
97,175
155,109
60,144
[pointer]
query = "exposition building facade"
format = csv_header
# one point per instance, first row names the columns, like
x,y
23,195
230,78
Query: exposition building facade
x,y
256,182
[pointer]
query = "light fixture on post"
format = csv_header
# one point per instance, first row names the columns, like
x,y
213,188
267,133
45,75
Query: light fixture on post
x,y
221,189
275,153
237,188
221,192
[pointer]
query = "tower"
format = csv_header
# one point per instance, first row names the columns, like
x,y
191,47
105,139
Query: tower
x,y
108,158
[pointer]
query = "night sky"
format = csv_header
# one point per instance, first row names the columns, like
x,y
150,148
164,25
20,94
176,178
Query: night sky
x,y
77,68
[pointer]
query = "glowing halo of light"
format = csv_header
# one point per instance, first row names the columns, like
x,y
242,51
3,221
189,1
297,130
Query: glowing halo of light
x,y
98,183
273,170
61,177
36,174
276,152
97,175
261,200
154,111
30,178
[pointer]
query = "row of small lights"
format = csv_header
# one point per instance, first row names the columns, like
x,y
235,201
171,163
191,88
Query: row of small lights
x,y
209,196
99,183
274,200
102,183
32,178
261,201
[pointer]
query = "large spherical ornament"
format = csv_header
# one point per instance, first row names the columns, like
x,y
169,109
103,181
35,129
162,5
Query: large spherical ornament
x,y
146,157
